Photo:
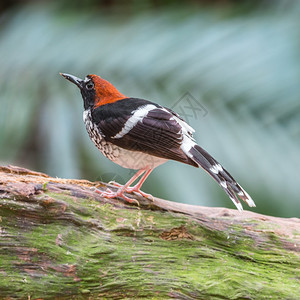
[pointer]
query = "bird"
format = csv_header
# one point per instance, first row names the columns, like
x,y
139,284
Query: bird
x,y
141,135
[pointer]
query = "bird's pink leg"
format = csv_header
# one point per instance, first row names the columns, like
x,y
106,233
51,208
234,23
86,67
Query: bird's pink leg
x,y
116,184
137,187
122,189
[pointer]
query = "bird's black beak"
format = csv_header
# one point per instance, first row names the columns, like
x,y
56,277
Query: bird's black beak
x,y
74,79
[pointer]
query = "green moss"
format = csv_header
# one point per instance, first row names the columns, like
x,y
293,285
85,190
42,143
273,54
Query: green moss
x,y
121,253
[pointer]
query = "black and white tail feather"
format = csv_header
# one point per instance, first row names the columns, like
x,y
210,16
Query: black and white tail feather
x,y
212,167
221,176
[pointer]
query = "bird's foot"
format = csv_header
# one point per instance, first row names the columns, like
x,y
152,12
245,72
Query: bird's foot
x,y
137,190
119,193
132,189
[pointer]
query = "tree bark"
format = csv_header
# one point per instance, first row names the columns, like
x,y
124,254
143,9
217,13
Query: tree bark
x,y
61,239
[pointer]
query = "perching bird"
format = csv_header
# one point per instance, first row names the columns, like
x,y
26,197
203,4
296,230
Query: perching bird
x,y
141,135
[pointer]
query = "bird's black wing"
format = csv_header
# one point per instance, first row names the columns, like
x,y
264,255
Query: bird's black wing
x,y
140,125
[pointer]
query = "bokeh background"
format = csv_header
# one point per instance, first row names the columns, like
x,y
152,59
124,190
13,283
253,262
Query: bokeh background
x,y
238,60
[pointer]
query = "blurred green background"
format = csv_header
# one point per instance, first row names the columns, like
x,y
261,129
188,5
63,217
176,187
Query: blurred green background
x,y
239,60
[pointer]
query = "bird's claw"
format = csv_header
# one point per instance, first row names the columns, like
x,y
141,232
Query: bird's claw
x,y
114,183
129,190
146,195
120,193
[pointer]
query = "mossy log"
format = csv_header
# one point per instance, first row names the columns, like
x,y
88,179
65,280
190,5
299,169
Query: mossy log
x,y
60,239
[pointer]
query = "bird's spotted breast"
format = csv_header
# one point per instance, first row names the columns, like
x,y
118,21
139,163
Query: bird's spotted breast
x,y
109,150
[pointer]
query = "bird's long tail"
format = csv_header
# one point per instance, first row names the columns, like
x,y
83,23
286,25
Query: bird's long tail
x,y
221,176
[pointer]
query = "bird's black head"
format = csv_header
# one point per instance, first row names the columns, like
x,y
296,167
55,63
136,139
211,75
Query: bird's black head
x,y
87,88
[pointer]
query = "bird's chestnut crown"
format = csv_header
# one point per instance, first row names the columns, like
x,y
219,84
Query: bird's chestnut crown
x,y
95,90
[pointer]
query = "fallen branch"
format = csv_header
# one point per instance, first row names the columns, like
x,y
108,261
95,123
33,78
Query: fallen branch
x,y
59,238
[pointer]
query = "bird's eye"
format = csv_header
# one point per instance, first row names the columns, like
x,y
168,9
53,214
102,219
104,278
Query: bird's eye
x,y
89,85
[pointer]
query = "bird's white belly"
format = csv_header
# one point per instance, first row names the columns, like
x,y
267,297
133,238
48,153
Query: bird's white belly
x,y
127,158
137,160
